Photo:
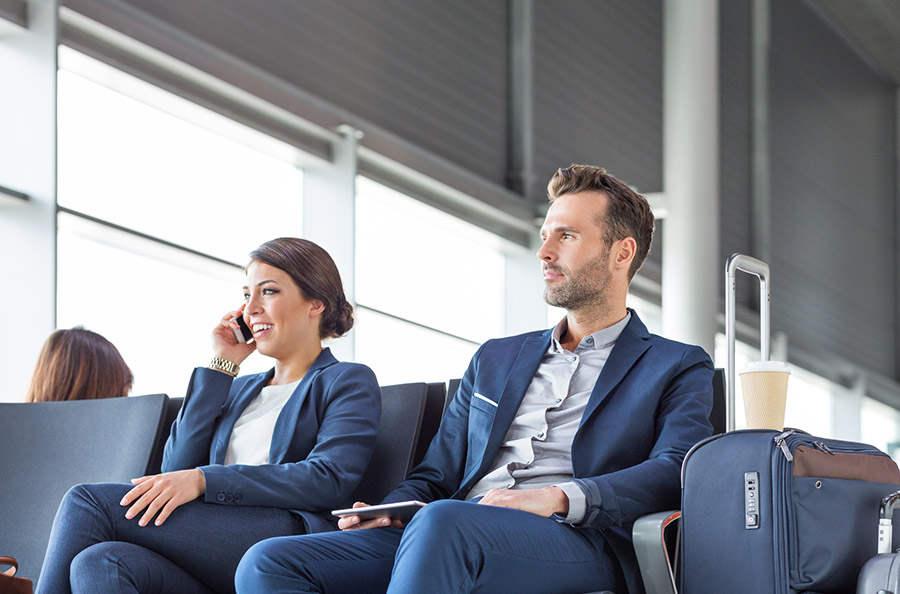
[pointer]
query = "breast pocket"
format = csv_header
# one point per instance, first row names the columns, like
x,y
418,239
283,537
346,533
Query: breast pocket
x,y
483,403
481,419
481,414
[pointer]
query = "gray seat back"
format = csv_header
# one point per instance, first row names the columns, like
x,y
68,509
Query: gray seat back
x,y
48,447
402,407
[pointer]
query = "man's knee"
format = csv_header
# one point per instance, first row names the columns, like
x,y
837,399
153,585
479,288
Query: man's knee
x,y
262,562
439,522
443,516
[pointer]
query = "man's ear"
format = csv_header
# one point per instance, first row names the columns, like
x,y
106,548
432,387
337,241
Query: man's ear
x,y
623,252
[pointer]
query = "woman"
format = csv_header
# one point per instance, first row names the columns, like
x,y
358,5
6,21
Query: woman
x,y
78,364
248,458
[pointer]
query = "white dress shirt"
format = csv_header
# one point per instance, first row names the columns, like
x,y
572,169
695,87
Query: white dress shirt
x,y
537,449
251,436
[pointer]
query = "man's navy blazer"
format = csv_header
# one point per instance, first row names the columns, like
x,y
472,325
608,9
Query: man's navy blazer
x,y
323,439
650,404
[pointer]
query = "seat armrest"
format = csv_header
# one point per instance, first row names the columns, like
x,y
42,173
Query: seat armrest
x,y
653,552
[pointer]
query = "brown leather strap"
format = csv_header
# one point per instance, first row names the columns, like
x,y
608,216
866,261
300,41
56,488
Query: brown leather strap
x,y
9,561
811,462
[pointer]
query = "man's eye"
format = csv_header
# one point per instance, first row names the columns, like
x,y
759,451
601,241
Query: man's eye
x,y
567,236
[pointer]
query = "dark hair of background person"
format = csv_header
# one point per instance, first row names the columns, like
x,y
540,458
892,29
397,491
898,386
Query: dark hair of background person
x,y
78,364
628,213
312,268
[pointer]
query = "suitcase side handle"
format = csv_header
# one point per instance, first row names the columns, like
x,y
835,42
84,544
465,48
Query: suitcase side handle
x,y
759,269
884,521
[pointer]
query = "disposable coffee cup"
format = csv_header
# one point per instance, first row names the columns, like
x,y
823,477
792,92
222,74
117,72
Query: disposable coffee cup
x,y
764,385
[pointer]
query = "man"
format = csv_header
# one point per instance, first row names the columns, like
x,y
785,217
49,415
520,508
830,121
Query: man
x,y
555,443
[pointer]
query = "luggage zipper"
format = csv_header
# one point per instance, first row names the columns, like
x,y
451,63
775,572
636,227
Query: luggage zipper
x,y
779,441
784,552
823,448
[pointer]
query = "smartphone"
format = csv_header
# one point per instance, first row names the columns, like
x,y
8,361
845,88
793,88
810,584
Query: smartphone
x,y
243,334
403,511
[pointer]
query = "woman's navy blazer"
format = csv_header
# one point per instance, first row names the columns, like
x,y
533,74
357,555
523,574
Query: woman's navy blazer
x,y
322,443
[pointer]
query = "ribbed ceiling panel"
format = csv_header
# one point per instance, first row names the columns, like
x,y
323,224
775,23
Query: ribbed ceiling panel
x,y
14,11
598,89
832,136
432,72
735,147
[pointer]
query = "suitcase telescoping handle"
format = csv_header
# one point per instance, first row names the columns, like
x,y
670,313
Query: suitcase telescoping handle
x,y
884,521
760,269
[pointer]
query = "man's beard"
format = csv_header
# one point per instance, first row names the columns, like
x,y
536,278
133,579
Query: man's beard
x,y
586,287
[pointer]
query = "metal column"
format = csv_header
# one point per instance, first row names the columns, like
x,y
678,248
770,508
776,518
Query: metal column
x,y
691,261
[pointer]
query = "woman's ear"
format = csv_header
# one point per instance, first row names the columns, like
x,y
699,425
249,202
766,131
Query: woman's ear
x,y
316,308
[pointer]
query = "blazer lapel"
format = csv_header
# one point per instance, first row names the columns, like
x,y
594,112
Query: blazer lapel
x,y
520,375
631,344
242,399
286,423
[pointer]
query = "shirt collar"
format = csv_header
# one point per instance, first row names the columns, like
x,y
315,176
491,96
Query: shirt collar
x,y
600,339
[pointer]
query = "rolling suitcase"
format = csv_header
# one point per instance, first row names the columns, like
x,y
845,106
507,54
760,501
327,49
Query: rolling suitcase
x,y
777,512
881,574
780,512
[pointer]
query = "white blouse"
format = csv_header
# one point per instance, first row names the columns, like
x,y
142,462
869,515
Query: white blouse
x,y
251,437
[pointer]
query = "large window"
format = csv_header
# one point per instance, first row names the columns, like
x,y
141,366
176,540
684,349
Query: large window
x,y
160,203
810,401
881,426
430,287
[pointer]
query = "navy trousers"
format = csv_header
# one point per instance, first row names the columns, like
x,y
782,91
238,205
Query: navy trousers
x,y
448,547
94,549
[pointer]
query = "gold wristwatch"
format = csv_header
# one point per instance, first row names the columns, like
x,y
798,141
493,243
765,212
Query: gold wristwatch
x,y
224,365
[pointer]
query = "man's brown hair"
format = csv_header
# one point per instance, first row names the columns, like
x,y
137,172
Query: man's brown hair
x,y
627,214
78,364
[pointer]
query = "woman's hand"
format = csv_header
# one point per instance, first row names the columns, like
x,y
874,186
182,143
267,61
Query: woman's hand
x,y
224,343
163,493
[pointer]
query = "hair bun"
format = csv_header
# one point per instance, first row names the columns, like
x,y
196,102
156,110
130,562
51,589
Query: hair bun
x,y
340,319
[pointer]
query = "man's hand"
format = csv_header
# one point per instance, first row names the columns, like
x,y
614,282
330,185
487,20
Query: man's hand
x,y
353,522
163,493
542,502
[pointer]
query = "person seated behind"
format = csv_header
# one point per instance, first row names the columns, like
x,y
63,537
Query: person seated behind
x,y
77,364
248,458
555,442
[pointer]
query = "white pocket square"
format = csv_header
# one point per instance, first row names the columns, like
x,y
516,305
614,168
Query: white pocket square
x,y
485,398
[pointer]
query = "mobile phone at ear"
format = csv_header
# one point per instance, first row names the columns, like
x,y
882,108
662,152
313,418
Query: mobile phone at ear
x,y
243,334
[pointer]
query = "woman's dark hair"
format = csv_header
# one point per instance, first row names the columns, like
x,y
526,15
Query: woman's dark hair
x,y
78,364
317,276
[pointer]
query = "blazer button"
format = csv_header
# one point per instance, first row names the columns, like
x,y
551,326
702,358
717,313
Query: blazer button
x,y
229,498
237,497
220,496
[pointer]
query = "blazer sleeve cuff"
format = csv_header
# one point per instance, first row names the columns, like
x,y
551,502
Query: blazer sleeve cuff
x,y
602,505
216,489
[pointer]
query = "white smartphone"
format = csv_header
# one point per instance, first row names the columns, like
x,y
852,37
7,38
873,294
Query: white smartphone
x,y
402,510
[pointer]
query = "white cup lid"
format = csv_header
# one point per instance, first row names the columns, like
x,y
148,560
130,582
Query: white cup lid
x,y
779,366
